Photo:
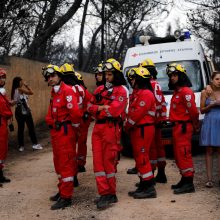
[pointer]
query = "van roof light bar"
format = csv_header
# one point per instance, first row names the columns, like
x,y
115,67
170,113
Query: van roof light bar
x,y
178,36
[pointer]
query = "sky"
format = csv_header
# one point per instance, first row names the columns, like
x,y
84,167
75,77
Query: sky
x,y
178,14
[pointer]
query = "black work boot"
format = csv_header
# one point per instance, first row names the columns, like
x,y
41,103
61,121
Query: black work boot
x,y
139,188
103,202
55,197
138,184
161,176
179,184
1,185
132,171
148,190
3,179
61,203
81,169
75,182
187,187
112,198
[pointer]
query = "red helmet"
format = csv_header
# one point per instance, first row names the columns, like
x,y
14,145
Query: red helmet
x,y
2,72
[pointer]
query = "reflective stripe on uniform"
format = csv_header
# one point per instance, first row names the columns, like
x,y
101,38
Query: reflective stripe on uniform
x,y
108,113
153,161
163,114
76,125
131,121
147,174
81,158
151,113
68,179
100,173
110,175
158,107
127,96
187,170
88,106
161,159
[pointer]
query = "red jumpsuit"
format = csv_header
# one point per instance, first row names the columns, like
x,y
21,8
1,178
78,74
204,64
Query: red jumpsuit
x,y
184,114
141,124
83,98
63,109
5,114
157,151
106,135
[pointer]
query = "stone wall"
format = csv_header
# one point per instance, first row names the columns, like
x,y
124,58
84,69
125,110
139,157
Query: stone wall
x,y
30,71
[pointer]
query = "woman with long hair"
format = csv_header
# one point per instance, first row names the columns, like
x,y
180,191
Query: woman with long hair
x,y
210,106
19,93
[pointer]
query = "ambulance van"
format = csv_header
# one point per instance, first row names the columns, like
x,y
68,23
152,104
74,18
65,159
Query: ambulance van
x,y
179,48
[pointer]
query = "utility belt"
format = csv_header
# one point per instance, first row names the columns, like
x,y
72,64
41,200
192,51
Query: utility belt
x,y
183,123
109,120
141,126
58,124
144,125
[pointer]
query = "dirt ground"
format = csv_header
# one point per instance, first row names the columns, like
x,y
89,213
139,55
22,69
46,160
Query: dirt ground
x,y
34,180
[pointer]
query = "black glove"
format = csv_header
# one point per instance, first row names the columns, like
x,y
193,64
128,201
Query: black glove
x,y
98,97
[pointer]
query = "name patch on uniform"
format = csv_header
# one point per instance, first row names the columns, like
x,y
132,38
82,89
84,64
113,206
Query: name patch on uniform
x,y
188,97
58,100
54,109
142,103
69,98
69,105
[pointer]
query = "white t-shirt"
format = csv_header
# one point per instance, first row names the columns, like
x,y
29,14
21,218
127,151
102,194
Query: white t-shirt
x,y
17,97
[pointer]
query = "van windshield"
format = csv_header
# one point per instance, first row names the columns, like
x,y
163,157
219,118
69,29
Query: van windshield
x,y
193,70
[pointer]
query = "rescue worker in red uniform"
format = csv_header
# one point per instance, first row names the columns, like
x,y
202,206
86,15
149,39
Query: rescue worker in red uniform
x,y
84,125
184,115
106,106
157,150
83,96
99,75
63,114
140,125
5,115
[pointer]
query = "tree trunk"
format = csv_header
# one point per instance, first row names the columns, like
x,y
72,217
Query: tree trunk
x,y
32,51
80,52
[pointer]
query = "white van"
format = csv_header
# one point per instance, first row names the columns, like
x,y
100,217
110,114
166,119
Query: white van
x,y
183,50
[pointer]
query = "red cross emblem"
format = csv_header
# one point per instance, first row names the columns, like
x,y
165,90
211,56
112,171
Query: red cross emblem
x,y
134,55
